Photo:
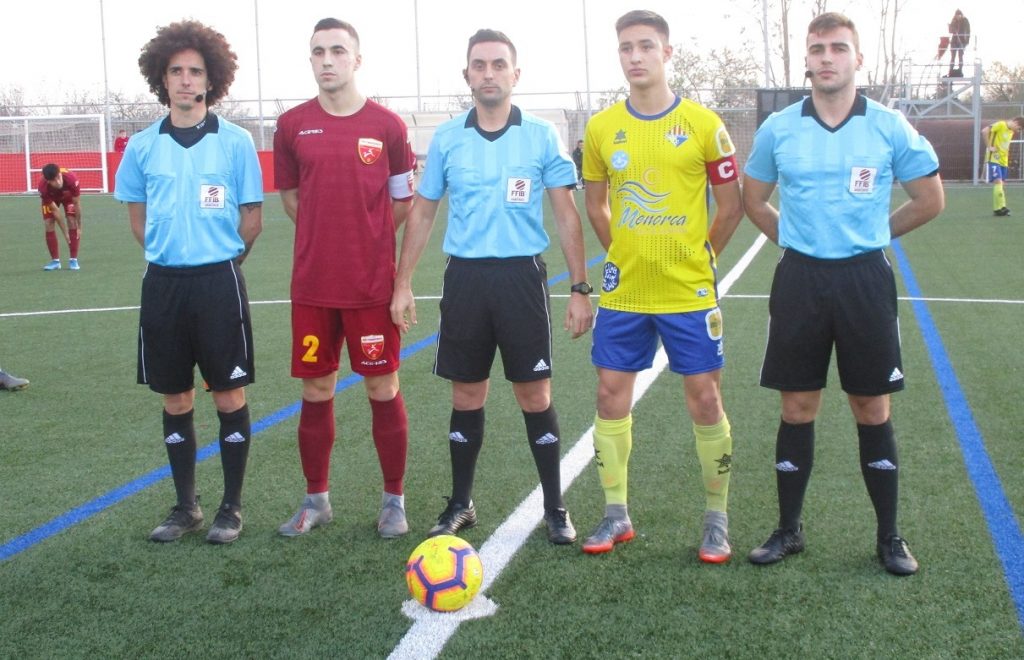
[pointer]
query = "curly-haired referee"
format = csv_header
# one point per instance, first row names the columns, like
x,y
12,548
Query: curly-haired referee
x,y
194,190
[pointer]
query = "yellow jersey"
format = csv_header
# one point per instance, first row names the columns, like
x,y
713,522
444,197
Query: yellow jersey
x,y
658,168
999,136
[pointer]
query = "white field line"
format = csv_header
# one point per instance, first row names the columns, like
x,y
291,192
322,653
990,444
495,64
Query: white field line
x,y
432,630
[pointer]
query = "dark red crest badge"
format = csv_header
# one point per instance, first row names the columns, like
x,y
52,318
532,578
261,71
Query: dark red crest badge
x,y
370,150
373,346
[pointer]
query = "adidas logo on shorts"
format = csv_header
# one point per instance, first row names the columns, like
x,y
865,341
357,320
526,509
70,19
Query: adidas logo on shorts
x,y
895,375
238,373
541,366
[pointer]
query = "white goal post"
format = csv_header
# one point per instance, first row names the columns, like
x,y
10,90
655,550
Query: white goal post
x,y
74,142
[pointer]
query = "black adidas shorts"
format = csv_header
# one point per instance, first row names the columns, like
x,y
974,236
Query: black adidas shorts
x,y
489,304
849,303
193,316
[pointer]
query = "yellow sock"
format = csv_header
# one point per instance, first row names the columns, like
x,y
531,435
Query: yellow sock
x,y
714,450
613,440
998,196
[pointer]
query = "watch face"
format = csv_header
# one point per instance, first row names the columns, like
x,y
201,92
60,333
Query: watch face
x,y
582,287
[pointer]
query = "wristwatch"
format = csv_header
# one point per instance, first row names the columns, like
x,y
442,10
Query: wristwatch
x,y
582,287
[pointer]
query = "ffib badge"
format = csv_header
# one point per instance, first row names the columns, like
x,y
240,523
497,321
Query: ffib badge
x,y
517,191
862,180
211,197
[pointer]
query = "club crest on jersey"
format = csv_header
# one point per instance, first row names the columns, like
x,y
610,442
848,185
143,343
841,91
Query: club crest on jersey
x,y
620,159
369,150
372,345
677,136
862,180
211,197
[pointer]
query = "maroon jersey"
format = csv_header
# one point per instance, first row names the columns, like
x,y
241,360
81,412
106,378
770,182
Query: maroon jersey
x,y
62,195
120,144
345,229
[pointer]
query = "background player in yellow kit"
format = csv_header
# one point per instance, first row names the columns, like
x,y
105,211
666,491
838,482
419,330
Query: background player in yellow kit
x,y
997,138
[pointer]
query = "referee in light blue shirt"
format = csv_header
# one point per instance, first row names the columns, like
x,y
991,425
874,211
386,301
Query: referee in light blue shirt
x,y
834,157
495,162
194,191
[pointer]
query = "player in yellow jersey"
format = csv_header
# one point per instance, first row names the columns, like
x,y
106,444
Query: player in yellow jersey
x,y
997,138
647,163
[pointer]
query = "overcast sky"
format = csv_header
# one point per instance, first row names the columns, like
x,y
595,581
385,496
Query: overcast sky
x,y
56,45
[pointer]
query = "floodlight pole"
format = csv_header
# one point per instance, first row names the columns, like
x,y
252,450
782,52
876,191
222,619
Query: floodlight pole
x,y
106,99
416,28
586,59
764,36
259,74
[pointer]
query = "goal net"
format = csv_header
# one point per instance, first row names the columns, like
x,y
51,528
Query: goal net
x,y
74,142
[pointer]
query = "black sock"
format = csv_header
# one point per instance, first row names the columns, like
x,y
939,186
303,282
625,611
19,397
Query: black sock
x,y
543,435
235,430
465,437
794,458
180,441
880,467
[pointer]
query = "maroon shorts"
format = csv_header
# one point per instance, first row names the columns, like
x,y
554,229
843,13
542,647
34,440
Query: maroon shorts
x,y
374,342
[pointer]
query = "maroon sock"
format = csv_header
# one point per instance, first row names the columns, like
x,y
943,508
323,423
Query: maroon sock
x,y
391,437
316,439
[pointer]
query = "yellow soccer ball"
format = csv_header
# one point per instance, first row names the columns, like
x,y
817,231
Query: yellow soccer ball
x,y
444,573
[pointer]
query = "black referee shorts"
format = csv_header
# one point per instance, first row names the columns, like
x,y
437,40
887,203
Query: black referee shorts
x,y
191,316
850,304
489,304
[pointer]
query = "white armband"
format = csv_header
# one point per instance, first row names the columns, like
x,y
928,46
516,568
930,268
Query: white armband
x,y
401,185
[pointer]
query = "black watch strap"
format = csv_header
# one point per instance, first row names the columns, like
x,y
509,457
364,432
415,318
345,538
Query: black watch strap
x,y
582,287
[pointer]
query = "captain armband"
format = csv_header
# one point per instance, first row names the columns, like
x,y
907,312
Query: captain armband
x,y
400,186
723,171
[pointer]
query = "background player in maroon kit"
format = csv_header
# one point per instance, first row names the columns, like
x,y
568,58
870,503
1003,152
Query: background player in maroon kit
x,y
344,168
121,141
59,187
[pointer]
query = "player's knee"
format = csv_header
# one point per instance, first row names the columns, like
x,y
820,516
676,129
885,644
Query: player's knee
x,y
382,388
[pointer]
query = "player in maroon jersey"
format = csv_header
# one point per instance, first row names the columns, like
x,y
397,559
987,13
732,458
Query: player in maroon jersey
x,y
59,187
121,141
344,168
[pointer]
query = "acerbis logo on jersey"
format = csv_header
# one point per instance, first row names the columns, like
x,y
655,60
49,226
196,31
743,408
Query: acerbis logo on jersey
x,y
211,197
310,131
517,190
372,345
370,150
862,180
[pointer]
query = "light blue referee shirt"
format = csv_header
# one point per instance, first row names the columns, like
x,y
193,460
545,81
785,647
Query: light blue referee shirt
x,y
192,195
495,183
835,184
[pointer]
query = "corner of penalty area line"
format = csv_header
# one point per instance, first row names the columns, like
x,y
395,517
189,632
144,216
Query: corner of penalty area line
x,y
478,608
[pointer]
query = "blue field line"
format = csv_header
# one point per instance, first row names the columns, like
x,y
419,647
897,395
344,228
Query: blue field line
x,y
1002,523
85,511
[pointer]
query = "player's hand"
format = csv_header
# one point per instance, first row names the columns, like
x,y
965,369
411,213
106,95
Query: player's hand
x,y
403,308
579,315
